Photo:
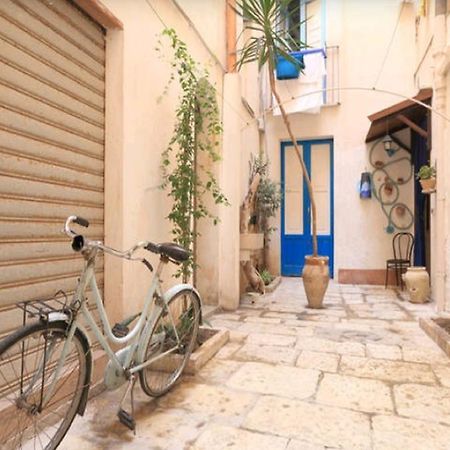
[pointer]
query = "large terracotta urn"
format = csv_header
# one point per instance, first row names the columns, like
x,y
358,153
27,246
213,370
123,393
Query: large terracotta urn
x,y
316,276
417,283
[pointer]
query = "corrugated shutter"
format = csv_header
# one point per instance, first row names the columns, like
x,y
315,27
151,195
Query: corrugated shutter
x,y
52,68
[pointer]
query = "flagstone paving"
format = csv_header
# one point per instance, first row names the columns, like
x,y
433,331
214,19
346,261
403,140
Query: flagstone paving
x,y
358,374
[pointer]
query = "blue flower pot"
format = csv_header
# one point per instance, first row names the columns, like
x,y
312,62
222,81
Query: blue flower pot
x,y
287,70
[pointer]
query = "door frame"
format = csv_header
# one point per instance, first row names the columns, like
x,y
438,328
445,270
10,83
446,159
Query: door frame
x,y
307,144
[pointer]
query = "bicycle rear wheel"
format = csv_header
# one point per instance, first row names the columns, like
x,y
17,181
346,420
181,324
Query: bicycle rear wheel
x,y
171,343
28,361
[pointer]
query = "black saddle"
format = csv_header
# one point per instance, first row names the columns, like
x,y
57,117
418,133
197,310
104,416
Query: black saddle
x,y
169,249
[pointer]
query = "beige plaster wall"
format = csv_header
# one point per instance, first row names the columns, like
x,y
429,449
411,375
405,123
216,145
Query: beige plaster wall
x,y
139,128
209,20
424,31
433,62
362,30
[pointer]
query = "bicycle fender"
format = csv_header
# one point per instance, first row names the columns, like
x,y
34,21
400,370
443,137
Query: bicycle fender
x,y
58,317
181,287
63,317
178,288
89,369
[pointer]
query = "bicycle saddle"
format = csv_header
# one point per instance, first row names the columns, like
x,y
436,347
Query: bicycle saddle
x,y
169,249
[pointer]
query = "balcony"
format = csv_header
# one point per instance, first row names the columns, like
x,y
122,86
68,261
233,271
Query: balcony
x,y
316,87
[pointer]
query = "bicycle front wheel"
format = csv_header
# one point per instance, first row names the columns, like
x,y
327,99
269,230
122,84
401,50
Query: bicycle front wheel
x,y
171,343
28,361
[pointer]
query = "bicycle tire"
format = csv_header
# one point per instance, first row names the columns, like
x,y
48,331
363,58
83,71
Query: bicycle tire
x,y
159,377
25,424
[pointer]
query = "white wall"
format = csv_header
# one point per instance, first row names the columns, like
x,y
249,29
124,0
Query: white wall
x,y
208,17
432,67
139,128
362,30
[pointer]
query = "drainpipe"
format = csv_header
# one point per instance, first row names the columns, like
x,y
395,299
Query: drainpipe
x,y
441,63
229,238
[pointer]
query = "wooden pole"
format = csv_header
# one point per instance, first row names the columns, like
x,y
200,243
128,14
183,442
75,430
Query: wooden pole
x,y
300,157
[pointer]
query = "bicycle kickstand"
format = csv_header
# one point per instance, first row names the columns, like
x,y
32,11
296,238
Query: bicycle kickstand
x,y
125,417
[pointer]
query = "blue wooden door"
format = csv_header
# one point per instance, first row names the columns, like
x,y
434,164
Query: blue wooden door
x,y
296,226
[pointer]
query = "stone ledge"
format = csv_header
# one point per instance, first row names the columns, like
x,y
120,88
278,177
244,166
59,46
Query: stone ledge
x,y
272,285
366,277
212,341
209,310
436,332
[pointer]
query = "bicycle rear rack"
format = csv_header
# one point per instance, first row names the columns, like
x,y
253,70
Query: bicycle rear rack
x,y
42,308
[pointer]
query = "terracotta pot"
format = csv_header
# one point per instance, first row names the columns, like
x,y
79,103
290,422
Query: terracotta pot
x,y
428,185
417,283
316,276
388,188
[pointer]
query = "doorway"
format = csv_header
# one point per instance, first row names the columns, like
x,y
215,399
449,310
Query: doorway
x,y
296,227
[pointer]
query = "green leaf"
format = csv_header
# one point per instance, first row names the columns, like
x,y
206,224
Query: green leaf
x,y
196,129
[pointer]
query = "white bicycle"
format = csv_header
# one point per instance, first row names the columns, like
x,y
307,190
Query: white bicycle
x,y
46,366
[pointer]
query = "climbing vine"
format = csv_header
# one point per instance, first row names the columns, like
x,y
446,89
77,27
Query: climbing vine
x,y
197,129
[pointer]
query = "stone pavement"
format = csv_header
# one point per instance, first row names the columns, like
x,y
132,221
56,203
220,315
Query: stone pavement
x,y
359,374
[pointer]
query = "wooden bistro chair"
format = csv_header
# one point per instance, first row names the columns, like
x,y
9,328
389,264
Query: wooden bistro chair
x,y
402,245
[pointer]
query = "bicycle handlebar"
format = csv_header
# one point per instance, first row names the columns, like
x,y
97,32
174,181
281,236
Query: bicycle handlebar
x,y
74,219
80,221
79,242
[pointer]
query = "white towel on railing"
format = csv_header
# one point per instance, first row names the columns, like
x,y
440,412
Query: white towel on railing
x,y
293,93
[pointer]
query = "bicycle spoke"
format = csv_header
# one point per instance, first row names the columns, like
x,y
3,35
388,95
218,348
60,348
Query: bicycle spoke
x,y
30,364
39,436
35,434
42,431
59,399
61,416
9,388
171,343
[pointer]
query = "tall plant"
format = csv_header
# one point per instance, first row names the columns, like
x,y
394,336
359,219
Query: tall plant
x,y
268,195
196,130
264,18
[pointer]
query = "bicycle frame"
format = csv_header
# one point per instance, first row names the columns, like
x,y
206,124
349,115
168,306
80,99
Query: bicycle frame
x,y
138,335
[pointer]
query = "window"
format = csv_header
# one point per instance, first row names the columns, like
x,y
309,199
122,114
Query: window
x,y
294,23
304,22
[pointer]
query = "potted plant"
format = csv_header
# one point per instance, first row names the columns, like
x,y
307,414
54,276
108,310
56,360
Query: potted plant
x,y
261,203
427,178
286,70
267,43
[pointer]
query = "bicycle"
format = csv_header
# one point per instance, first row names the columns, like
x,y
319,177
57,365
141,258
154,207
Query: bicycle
x,y
46,366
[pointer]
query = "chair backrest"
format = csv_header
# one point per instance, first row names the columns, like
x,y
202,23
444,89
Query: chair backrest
x,y
403,244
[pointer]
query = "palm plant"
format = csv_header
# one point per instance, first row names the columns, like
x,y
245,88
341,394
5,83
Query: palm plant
x,y
270,41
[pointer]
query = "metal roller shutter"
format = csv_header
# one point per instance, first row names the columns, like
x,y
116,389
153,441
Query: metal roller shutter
x,y
52,68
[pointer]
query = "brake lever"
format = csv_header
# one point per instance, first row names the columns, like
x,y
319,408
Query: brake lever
x,y
147,264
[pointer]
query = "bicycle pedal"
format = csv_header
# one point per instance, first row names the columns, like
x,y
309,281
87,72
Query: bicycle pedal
x,y
120,330
126,419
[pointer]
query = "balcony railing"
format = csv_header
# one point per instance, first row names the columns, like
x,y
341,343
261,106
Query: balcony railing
x,y
318,86
331,79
